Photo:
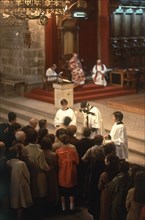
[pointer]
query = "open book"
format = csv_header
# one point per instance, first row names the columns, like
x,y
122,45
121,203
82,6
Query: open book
x,y
60,78
66,81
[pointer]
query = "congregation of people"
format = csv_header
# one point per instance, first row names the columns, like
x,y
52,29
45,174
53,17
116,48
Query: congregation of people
x,y
42,173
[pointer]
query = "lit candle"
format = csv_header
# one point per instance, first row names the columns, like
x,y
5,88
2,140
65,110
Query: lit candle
x,y
101,126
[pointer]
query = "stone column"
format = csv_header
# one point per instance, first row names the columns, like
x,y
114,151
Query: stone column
x,y
103,30
63,91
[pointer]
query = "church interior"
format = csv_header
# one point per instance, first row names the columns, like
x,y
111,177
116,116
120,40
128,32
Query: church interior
x,y
34,35
112,31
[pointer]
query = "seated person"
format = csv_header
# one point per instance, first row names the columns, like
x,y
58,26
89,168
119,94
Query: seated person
x,y
99,71
51,75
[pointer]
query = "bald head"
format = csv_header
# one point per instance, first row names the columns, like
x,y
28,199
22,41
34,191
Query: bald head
x,y
20,136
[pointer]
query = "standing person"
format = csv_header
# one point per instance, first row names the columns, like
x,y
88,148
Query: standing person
x,y
83,144
111,170
34,158
43,129
72,130
63,112
57,144
118,135
4,183
51,75
52,175
99,71
32,124
142,217
77,73
20,193
135,200
95,159
4,127
67,173
42,123
92,118
118,188
10,135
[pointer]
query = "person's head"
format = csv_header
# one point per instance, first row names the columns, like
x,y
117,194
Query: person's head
x,y
139,184
99,62
60,132
72,129
112,166
14,152
134,169
2,147
124,166
98,140
46,143
33,122
53,67
12,117
52,137
2,144
64,138
64,104
75,55
67,120
117,116
84,105
86,132
42,123
32,136
20,136
42,133
109,149
113,160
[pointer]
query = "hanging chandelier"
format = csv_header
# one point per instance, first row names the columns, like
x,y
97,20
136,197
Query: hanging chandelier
x,y
33,9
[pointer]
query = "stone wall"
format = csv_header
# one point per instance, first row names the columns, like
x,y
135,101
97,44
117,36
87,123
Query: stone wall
x,y
22,53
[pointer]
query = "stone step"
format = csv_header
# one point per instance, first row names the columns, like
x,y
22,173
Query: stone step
x,y
84,92
136,152
24,114
21,107
96,96
135,158
25,110
40,97
22,119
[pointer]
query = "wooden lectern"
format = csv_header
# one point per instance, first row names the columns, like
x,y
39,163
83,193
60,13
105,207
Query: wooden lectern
x,y
63,91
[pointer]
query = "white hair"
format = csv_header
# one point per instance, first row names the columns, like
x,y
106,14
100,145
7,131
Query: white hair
x,y
20,136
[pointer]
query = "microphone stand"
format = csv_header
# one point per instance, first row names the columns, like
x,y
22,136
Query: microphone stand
x,y
87,117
